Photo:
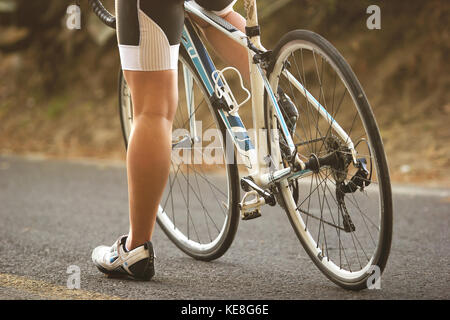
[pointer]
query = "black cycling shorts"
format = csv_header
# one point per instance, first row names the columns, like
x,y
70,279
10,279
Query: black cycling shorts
x,y
149,31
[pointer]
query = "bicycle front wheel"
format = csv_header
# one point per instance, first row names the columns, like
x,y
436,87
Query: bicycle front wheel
x,y
199,208
341,212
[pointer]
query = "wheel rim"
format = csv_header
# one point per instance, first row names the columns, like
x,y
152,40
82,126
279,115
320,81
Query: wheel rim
x,y
330,251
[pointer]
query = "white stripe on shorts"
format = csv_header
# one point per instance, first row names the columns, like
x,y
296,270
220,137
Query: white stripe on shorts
x,y
226,10
155,50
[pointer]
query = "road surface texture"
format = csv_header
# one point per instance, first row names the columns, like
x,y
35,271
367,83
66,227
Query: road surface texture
x,y
53,213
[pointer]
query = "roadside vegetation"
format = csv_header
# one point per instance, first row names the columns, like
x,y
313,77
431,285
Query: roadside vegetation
x,y
58,87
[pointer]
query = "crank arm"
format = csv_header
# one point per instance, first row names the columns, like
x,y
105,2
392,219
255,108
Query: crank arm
x,y
248,184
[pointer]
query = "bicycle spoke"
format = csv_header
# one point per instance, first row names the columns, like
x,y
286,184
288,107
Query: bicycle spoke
x,y
198,198
362,213
324,92
338,227
353,234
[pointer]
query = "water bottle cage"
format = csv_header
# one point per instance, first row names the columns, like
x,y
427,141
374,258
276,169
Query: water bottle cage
x,y
223,97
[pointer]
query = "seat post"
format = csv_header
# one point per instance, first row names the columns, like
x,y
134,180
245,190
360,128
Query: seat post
x,y
251,14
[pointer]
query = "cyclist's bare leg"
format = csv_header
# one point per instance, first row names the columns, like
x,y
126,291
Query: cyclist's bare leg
x,y
154,95
228,50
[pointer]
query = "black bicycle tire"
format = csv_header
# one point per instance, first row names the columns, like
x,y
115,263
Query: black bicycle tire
x,y
383,250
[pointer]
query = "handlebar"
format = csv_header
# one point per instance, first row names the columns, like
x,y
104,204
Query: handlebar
x,y
104,15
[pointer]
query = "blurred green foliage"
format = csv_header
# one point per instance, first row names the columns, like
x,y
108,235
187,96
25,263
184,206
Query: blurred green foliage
x,y
54,80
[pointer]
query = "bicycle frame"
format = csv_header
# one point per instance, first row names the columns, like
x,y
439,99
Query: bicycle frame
x,y
252,153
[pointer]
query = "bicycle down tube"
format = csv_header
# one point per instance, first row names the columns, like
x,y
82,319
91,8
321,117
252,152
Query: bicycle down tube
x,y
205,68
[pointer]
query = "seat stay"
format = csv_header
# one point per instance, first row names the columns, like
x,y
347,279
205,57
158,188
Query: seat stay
x,y
322,111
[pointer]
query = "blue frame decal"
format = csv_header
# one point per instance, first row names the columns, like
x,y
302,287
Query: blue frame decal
x,y
205,67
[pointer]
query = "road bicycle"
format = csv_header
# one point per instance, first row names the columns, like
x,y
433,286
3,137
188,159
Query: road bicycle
x,y
325,166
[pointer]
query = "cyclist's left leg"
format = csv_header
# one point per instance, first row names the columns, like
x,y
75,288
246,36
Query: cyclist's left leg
x,y
149,33
153,85
154,96
228,50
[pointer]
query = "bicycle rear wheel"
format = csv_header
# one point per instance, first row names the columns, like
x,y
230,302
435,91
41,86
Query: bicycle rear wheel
x,y
344,224
199,209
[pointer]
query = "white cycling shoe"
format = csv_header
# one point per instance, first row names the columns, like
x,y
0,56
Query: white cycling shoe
x,y
115,261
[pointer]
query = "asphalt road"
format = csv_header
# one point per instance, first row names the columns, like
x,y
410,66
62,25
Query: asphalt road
x,y
53,213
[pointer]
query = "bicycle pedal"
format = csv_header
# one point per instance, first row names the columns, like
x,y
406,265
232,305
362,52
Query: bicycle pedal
x,y
250,205
251,215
